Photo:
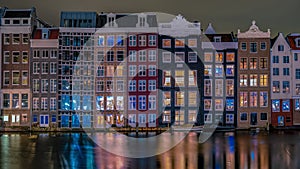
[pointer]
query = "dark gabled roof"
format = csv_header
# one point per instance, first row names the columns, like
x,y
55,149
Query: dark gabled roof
x,y
224,37
291,40
273,40
17,13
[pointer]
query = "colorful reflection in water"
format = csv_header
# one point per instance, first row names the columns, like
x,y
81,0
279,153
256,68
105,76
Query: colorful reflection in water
x,y
239,150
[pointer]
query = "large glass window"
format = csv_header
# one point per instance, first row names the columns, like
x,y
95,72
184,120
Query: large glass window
x,y
253,80
285,105
120,103
24,101
142,102
229,104
192,98
243,80
110,103
243,99
243,63
179,77
179,117
263,80
263,99
65,102
179,98
132,103
167,98
253,63
6,100
275,105
152,102
167,78
253,99
16,77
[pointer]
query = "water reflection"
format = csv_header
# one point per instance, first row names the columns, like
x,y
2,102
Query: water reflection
x,y
223,150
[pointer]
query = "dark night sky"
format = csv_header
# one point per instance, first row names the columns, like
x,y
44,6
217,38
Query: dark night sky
x,y
226,15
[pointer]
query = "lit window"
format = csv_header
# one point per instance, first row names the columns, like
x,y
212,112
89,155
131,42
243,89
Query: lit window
x,y
219,104
243,80
230,57
219,70
285,105
229,87
110,41
207,104
285,87
253,99
208,56
120,41
219,87
179,98
192,98
110,103
207,70
243,99
179,43
276,87
15,100
167,98
263,99
179,117
275,105
192,77
179,77
207,87
229,104
230,70
192,43
166,43
243,64
101,41
167,78
120,103
263,63
297,104
192,116
166,116
24,78
253,80
109,86
253,63
219,57
263,80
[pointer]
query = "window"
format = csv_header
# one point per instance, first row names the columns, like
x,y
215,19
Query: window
x,y
100,86
263,63
243,99
219,104
192,77
243,46
208,56
229,118
253,63
179,117
297,89
166,98
253,47
230,70
152,85
192,57
132,56
16,21
53,85
132,85
230,57
36,85
285,105
142,102
16,39
275,71
132,70
219,87
253,80
229,104
142,70
167,57
179,98
243,80
296,56
15,57
25,38
297,73
179,57
207,118
244,116
109,85
280,48
24,57
6,57
152,70
142,119
263,46
151,55
297,104
6,39
207,104
6,100
15,118
219,70
110,103
152,40
286,59
44,86
16,78
167,78
263,100
45,68
110,40
53,67
142,56
192,116
217,39
142,40
142,85
179,77
24,100
263,80
276,87
101,41
286,71
166,43
192,98
243,64
207,70
110,56
52,103
15,100
6,79
132,103
219,57
263,116
53,54
24,78
275,59
192,43
275,105
120,56
285,87
229,87
179,43
253,99
36,68
152,102
120,86
207,87
166,116
132,40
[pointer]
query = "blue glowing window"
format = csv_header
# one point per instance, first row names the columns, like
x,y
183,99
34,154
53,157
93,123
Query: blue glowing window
x,y
65,102
75,121
286,105
64,120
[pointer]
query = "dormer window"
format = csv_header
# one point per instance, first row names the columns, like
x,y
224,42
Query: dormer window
x,y
217,39
111,21
298,42
25,21
6,21
142,21
45,35
16,21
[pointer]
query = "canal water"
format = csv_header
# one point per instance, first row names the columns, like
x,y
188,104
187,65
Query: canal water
x,y
232,150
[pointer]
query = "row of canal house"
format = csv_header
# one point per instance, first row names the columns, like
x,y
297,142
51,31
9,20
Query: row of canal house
x,y
120,69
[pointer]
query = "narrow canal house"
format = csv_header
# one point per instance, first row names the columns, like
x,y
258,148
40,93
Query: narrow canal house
x,y
282,82
254,103
180,73
220,78
16,29
294,42
43,73
76,70
126,93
